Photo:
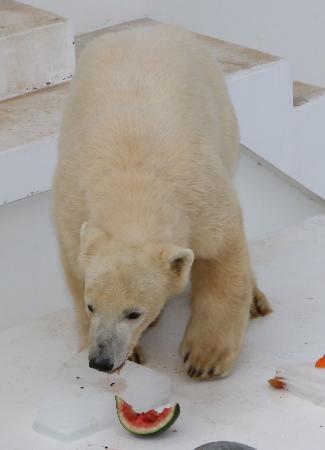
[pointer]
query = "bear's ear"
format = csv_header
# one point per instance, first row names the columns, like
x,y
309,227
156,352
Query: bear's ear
x,y
179,261
90,239
89,236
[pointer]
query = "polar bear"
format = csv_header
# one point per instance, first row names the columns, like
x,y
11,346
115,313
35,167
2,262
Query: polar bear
x,y
143,198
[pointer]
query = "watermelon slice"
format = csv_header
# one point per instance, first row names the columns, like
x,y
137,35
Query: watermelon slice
x,y
146,423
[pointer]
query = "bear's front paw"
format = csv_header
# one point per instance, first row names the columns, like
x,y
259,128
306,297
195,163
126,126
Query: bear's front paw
x,y
207,357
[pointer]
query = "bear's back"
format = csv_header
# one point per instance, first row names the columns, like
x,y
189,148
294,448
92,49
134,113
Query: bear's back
x,y
143,93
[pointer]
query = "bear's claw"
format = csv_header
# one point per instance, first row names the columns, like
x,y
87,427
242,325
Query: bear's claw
x,y
204,361
259,306
205,374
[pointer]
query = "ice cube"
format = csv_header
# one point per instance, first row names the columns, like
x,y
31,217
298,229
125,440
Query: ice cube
x,y
79,401
304,380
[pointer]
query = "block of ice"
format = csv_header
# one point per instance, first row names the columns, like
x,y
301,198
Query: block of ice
x,y
304,380
79,401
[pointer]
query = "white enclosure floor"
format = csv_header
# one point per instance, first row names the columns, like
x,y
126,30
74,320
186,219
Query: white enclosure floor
x,y
291,269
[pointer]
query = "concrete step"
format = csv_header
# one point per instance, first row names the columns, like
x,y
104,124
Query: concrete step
x,y
308,138
36,49
261,89
299,147
305,93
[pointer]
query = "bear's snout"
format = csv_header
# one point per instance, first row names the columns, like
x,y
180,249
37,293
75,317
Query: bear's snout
x,y
108,350
102,364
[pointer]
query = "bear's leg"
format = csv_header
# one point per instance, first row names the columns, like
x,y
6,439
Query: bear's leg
x,y
222,290
137,355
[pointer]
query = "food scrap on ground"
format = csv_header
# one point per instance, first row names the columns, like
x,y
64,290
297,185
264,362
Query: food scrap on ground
x,y
277,383
320,363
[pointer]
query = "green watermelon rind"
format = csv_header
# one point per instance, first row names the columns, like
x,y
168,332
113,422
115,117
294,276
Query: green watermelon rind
x,y
163,426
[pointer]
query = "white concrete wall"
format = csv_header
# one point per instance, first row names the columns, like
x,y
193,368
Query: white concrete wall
x,y
294,29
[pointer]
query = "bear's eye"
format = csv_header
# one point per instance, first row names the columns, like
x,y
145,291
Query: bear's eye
x,y
90,308
133,315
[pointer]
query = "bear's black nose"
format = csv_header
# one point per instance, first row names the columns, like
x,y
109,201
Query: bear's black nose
x,y
104,365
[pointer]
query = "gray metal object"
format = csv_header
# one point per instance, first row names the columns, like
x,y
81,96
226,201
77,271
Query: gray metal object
x,y
224,446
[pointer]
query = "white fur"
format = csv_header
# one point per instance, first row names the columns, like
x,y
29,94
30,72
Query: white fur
x,y
148,144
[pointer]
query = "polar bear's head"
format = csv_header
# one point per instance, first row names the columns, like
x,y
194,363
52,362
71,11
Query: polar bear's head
x,y
126,288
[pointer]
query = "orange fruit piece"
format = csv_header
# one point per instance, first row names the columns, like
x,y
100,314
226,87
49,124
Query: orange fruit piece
x,y
277,383
320,363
